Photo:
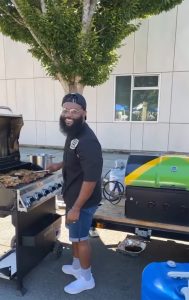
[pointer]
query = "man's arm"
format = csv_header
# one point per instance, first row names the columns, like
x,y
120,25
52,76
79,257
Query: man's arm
x,y
86,191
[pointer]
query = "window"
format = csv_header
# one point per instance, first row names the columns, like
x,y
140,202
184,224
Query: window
x,y
136,98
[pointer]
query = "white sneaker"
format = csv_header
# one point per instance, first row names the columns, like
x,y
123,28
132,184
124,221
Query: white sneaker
x,y
80,285
68,269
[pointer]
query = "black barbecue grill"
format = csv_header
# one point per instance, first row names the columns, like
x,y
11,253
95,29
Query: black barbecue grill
x,y
29,197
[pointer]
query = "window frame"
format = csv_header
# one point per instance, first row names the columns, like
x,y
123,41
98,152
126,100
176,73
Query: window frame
x,y
131,97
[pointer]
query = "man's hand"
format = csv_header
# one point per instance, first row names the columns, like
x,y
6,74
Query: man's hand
x,y
72,215
54,167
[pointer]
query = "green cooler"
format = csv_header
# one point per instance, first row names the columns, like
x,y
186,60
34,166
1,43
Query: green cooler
x,y
157,188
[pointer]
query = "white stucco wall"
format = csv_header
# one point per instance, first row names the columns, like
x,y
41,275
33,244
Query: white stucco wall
x,y
160,46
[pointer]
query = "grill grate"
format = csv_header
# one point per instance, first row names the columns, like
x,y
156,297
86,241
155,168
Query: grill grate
x,y
9,166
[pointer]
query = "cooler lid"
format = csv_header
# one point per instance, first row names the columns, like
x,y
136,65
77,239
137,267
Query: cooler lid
x,y
167,171
10,126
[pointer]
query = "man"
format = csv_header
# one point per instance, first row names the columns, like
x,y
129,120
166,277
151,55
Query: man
x,y
82,168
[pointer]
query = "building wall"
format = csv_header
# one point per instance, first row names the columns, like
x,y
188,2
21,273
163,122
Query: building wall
x,y
160,46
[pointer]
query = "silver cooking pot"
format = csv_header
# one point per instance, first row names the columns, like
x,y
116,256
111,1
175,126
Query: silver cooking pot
x,y
42,160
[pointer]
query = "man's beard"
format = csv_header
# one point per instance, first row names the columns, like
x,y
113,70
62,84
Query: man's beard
x,y
72,130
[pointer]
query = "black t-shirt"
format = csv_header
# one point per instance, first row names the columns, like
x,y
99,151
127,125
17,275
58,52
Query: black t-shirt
x,y
82,161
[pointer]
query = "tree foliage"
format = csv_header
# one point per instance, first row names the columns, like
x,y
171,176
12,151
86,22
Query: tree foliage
x,y
76,40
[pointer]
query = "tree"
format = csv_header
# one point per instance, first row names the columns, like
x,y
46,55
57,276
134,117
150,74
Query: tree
x,y
76,40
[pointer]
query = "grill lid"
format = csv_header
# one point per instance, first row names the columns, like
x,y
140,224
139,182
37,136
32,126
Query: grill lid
x,y
10,126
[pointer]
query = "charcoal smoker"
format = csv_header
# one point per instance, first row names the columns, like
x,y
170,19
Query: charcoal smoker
x,y
157,188
29,197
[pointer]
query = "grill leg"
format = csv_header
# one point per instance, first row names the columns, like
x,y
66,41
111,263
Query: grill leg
x,y
21,290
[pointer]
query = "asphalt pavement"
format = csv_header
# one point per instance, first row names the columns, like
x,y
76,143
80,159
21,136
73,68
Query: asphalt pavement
x,y
117,275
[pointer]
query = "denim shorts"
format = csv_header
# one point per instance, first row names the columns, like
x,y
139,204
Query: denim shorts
x,y
79,231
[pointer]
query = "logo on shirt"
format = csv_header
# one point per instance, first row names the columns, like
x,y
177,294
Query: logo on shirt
x,y
74,143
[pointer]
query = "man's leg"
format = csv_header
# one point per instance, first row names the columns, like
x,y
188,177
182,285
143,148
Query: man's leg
x,y
85,281
74,268
75,249
84,251
84,254
79,232
81,259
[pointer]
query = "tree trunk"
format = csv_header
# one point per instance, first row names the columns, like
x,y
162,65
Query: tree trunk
x,y
71,87
76,88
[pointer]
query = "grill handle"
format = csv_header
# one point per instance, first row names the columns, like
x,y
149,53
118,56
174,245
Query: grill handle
x,y
6,107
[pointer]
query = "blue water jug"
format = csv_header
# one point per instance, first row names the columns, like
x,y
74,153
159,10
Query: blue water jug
x,y
165,281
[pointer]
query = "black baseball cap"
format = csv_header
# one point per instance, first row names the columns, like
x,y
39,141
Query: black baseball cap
x,y
75,98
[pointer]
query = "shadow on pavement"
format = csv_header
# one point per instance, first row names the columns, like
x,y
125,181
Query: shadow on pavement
x,y
118,276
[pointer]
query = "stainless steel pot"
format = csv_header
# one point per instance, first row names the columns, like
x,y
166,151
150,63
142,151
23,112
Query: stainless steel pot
x,y
42,160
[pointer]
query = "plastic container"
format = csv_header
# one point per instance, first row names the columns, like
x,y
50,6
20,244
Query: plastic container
x,y
116,174
158,285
